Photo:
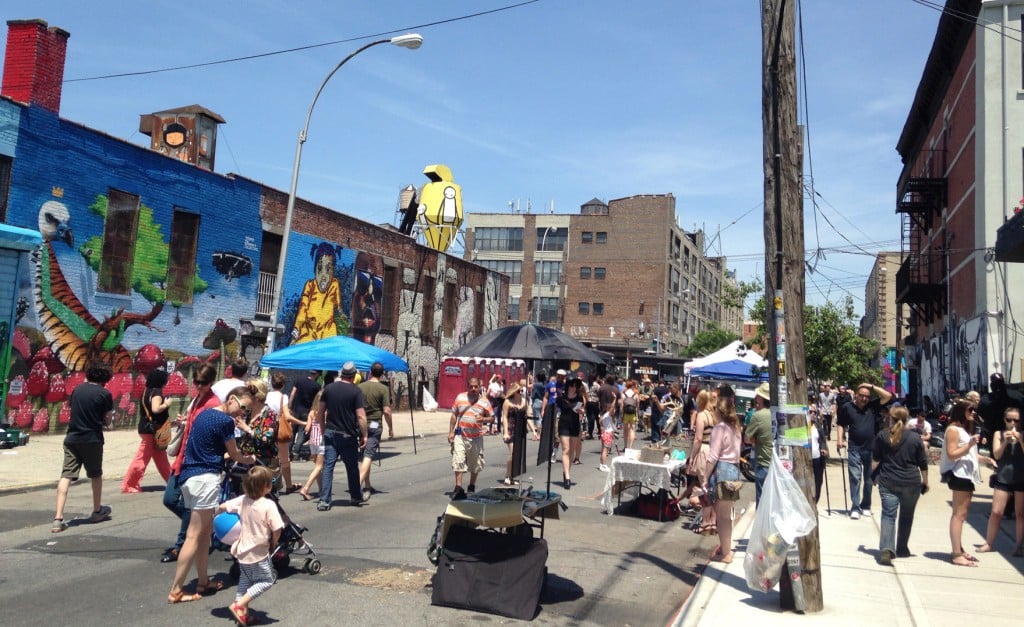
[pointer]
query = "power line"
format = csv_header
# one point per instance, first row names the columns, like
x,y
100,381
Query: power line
x,y
301,48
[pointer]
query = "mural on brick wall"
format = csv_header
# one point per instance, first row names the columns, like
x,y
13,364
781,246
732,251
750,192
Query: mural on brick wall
x,y
969,363
330,290
113,279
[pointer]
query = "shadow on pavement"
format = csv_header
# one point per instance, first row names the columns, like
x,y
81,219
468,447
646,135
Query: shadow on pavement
x,y
560,590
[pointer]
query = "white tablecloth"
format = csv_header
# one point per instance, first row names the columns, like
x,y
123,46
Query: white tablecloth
x,y
653,476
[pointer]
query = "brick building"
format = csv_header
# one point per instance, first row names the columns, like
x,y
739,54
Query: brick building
x,y
619,275
961,181
152,258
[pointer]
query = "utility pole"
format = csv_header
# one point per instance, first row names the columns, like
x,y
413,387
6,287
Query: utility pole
x,y
784,274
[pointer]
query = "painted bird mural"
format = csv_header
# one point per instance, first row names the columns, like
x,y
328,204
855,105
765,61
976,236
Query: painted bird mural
x,y
74,335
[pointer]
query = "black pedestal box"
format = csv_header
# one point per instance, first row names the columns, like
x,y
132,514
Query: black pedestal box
x,y
491,572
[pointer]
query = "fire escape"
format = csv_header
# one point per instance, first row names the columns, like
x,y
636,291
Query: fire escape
x,y
920,281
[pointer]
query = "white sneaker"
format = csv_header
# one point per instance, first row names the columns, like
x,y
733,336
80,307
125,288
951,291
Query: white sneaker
x,y
867,513
854,515
604,468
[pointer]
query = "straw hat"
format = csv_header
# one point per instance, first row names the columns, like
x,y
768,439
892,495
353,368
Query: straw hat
x,y
512,389
764,392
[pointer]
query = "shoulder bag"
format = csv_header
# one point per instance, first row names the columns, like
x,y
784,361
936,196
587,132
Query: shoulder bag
x,y
162,434
284,426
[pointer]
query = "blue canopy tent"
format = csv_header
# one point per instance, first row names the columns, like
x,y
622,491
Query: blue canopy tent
x,y
735,369
331,354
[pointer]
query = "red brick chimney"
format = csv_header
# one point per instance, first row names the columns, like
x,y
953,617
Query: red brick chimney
x,y
34,63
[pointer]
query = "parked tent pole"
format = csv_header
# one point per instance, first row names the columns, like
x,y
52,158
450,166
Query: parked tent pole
x,y
412,416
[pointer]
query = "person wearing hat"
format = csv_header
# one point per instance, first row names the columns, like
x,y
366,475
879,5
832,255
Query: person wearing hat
x,y
759,434
514,426
345,434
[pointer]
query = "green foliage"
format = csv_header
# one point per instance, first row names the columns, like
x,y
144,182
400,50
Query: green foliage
x,y
735,296
708,341
149,270
833,349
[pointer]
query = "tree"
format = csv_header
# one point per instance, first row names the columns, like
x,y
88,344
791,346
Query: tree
x,y
708,341
735,296
833,349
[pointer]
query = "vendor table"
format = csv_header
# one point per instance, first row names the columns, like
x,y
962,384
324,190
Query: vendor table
x,y
628,473
501,508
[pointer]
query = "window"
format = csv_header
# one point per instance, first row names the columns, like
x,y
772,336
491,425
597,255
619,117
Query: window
x,y
548,309
119,235
181,256
512,269
547,272
584,309
599,274
513,308
585,272
498,238
5,185
673,281
588,237
602,237
451,309
551,238
598,309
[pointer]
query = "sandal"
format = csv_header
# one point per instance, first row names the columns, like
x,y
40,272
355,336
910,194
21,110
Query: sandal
x,y
181,597
211,587
576,462
727,558
305,495
58,525
240,613
982,548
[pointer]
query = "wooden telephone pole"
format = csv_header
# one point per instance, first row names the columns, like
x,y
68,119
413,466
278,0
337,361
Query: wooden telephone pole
x,y
784,274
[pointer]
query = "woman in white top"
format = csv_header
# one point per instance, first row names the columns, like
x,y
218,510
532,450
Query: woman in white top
x,y
959,469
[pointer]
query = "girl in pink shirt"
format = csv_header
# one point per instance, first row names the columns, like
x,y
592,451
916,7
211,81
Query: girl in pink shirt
x,y
261,528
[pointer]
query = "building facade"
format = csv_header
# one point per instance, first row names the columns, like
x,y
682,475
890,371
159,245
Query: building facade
x,y
152,259
884,319
963,153
620,276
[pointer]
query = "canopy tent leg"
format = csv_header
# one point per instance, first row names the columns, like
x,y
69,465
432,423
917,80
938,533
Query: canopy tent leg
x,y
412,416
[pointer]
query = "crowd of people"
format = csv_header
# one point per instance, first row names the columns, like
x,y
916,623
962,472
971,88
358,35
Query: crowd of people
x,y
245,420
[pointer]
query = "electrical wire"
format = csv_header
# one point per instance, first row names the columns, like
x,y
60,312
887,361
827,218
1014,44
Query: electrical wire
x,y
301,48
996,27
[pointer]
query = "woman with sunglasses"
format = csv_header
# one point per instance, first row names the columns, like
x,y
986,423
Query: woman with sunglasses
x,y
204,398
959,470
1007,480
212,436
259,438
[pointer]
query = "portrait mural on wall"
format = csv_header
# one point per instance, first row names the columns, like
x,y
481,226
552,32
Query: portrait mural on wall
x,y
368,299
330,290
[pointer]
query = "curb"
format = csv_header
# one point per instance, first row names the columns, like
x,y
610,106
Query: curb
x,y
710,578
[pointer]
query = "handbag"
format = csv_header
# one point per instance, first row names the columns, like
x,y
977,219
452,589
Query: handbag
x,y
284,426
727,482
174,444
162,434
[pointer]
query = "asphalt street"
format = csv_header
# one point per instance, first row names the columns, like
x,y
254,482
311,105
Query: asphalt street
x,y
603,570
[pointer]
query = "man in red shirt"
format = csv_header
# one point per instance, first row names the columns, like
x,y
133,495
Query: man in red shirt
x,y
470,412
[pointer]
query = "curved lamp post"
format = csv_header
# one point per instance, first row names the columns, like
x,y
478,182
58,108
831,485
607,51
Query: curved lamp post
x,y
410,41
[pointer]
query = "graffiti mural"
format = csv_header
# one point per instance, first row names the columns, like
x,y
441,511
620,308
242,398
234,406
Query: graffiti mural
x,y
970,370
368,298
330,290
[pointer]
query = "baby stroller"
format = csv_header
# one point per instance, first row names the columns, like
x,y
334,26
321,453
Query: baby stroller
x,y
290,542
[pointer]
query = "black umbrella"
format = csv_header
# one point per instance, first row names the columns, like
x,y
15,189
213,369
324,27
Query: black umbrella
x,y
528,341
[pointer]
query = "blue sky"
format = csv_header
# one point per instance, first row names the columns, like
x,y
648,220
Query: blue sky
x,y
557,101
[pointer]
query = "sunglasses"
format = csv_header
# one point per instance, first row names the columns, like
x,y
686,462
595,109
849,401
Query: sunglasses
x,y
1013,420
198,382
246,409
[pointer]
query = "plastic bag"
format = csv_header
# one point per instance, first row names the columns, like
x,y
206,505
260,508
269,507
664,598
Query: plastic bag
x,y
783,515
429,404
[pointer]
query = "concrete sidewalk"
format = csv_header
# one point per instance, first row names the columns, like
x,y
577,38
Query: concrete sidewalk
x,y
37,465
924,589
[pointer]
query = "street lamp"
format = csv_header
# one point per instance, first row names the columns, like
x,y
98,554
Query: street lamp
x,y
410,41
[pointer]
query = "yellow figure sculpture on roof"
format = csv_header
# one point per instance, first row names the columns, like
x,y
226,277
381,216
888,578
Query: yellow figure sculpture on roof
x,y
440,208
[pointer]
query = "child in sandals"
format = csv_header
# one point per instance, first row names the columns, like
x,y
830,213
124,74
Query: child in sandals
x,y
261,528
